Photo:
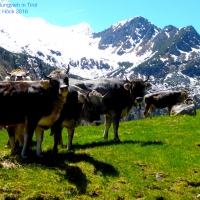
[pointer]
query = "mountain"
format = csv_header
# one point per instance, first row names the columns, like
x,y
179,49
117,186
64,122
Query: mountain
x,y
130,48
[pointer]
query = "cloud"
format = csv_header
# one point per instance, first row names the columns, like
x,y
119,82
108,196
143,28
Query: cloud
x,y
70,13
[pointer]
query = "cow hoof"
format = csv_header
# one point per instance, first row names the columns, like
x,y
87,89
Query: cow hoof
x,y
70,150
24,157
7,147
105,138
55,150
117,140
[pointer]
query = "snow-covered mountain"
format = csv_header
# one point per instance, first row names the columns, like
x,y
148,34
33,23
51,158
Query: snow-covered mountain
x,y
134,47
53,44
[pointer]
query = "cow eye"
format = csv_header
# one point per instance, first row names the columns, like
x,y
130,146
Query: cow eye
x,y
90,106
53,82
66,80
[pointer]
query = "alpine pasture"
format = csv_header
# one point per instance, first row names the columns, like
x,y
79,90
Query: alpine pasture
x,y
157,158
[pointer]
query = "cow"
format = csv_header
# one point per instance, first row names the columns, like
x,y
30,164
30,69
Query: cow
x,y
189,101
186,108
163,99
80,105
121,96
17,75
36,104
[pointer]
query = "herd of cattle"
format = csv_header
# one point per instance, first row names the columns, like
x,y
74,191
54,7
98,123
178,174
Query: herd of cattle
x,y
34,106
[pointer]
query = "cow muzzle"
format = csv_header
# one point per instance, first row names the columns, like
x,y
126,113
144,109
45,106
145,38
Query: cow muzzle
x,y
138,102
96,123
19,78
64,89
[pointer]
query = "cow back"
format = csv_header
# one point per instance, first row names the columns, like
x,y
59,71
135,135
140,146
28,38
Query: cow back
x,y
20,99
116,96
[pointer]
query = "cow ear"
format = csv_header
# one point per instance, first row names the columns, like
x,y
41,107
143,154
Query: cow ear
x,y
9,74
27,73
45,76
148,85
127,86
82,98
45,83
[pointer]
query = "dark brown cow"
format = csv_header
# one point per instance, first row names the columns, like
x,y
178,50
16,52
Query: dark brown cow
x,y
163,99
121,96
37,104
16,75
77,108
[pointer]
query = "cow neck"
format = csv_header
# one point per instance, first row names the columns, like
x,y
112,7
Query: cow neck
x,y
57,99
132,102
81,115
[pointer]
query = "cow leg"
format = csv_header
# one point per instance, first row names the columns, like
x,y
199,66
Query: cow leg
x,y
19,134
70,138
116,126
146,110
39,138
151,111
11,134
107,126
8,144
169,109
61,140
28,135
56,129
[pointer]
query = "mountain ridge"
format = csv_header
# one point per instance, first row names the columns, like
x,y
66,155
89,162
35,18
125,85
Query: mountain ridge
x,y
130,48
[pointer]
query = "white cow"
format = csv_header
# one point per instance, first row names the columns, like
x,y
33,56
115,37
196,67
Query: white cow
x,y
17,75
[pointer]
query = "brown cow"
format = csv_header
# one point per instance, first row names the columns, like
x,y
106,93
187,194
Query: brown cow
x,y
37,104
16,75
163,99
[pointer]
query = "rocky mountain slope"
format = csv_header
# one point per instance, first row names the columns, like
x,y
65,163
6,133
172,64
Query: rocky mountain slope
x,y
131,48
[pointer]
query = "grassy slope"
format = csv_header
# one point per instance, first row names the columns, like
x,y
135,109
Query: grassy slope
x,y
157,158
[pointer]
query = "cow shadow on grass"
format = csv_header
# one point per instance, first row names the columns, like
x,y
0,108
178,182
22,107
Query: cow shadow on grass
x,y
73,174
61,162
109,143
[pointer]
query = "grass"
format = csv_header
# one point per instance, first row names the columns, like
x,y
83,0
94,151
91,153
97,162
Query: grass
x,y
157,158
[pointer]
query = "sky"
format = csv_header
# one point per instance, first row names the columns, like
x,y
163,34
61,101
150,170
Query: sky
x,y
102,14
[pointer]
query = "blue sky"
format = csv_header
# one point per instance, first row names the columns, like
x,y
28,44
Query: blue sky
x,y
102,14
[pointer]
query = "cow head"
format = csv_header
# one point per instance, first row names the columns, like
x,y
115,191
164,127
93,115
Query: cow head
x,y
17,75
137,88
189,101
184,95
92,104
57,79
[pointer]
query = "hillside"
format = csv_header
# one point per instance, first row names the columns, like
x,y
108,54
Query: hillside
x,y
156,159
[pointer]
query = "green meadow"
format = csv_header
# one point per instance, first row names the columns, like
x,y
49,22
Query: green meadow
x,y
157,158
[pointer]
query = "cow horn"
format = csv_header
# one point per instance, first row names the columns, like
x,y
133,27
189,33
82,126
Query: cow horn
x,y
104,95
127,80
67,69
27,73
46,76
88,95
8,73
147,79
